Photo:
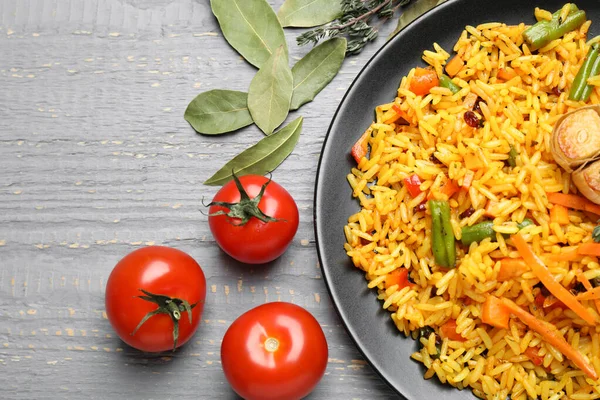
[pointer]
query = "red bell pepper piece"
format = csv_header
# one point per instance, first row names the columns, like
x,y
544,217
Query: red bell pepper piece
x,y
532,354
413,185
359,149
398,277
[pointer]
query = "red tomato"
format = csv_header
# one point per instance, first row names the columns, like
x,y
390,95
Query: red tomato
x,y
169,277
276,351
253,241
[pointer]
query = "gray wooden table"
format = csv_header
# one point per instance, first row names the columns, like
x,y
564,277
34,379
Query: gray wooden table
x,y
96,160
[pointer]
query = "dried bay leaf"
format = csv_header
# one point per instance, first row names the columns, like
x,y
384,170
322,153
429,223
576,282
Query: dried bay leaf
x,y
270,92
316,69
263,157
251,27
308,13
414,11
218,111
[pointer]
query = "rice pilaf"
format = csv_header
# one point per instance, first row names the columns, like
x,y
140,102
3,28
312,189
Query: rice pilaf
x,y
393,230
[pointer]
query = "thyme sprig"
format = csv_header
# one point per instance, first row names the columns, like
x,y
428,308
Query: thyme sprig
x,y
354,22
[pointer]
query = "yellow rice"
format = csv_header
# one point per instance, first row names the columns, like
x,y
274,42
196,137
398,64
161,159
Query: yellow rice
x,y
389,233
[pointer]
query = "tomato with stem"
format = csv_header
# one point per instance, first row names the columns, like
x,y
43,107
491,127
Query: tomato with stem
x,y
253,219
155,297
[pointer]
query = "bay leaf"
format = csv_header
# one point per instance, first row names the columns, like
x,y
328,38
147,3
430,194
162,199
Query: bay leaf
x,y
316,69
251,27
270,92
414,11
263,157
308,13
218,111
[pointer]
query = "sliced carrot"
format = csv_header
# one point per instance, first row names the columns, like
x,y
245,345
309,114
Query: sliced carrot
x,y
359,149
454,66
570,255
589,249
559,214
588,286
506,73
494,313
543,274
532,354
398,277
511,268
467,180
448,330
573,201
552,335
590,294
473,162
423,80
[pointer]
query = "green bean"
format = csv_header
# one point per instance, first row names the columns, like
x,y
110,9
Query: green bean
x,y
477,232
512,157
443,241
446,82
587,89
485,230
543,32
585,71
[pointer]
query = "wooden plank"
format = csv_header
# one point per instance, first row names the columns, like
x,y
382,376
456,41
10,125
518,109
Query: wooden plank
x,y
97,160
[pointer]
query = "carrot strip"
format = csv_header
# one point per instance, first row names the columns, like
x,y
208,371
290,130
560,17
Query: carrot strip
x,y
454,66
589,249
571,255
573,201
592,294
543,274
552,336
559,214
511,268
494,313
588,286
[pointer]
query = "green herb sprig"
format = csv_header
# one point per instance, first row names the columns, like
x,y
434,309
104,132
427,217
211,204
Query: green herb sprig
x,y
354,22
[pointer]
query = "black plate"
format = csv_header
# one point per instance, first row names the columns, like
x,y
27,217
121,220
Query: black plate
x,y
368,324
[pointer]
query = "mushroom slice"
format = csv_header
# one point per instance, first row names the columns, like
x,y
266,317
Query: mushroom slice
x,y
587,181
576,138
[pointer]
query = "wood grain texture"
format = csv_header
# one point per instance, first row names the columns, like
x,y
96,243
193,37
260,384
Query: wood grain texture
x,y
96,160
